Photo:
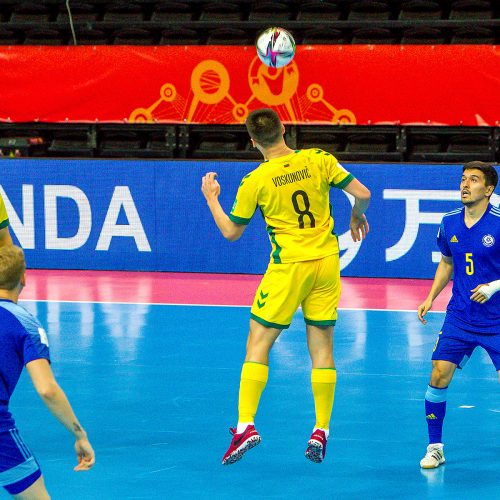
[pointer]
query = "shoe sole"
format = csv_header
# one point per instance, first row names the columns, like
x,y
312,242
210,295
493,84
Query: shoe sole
x,y
238,454
441,462
314,452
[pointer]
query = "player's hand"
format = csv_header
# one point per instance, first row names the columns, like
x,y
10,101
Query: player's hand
x,y
359,227
85,454
477,294
209,186
423,309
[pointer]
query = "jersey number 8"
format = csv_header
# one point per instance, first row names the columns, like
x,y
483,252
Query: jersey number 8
x,y
300,211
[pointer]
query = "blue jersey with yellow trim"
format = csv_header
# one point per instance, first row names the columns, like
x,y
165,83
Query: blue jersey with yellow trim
x,y
22,339
476,260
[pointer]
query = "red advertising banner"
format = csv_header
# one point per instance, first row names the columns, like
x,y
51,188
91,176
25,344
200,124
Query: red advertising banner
x,y
357,84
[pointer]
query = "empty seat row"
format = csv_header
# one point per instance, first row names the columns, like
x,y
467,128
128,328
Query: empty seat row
x,y
234,36
139,11
348,143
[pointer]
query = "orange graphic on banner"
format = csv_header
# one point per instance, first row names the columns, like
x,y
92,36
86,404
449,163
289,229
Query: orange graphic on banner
x,y
210,100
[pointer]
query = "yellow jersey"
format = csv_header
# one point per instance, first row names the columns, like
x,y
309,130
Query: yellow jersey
x,y
292,193
4,218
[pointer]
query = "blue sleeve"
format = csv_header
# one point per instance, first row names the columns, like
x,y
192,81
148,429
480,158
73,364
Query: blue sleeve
x,y
442,241
34,342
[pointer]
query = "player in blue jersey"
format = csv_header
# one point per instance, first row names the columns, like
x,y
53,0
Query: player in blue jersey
x,y
5,238
24,342
469,240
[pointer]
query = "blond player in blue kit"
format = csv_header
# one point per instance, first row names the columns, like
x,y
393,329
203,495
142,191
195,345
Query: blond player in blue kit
x,y
23,342
291,189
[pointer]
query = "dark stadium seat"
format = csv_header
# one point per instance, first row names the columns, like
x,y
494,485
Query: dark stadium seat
x,y
325,36
30,13
471,147
368,10
372,146
227,142
215,144
420,10
80,12
90,36
223,12
73,142
473,35
120,143
181,36
424,146
162,143
373,36
10,37
266,11
321,139
226,36
471,9
314,10
423,35
133,36
123,13
170,12
44,36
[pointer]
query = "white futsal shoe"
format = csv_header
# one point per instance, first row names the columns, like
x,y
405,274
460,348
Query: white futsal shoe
x,y
434,456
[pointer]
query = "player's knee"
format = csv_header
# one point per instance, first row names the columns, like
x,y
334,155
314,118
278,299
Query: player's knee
x,y
440,376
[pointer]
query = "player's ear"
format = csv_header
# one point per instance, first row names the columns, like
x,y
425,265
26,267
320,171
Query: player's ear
x,y
23,279
489,191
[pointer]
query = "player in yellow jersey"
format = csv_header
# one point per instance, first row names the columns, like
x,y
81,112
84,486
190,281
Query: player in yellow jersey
x,y
291,188
5,238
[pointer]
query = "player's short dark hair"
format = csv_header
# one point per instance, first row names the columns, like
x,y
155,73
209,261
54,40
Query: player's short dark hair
x,y
488,170
12,266
264,126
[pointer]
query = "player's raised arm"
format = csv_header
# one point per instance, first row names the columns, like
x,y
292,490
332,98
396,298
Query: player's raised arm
x,y
358,224
210,188
442,277
56,401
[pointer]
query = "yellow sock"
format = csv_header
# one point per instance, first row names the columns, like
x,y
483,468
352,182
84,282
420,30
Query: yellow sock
x,y
253,381
323,382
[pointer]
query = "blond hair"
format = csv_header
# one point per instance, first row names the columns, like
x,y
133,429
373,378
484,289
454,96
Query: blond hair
x,y
12,266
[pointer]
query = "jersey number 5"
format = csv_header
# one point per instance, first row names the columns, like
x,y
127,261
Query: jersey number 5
x,y
469,267
305,211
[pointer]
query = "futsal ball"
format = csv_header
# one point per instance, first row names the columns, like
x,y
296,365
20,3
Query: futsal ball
x,y
275,47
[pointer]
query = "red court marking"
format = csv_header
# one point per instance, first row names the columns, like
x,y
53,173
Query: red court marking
x,y
211,289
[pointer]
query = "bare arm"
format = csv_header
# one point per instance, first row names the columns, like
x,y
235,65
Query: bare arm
x,y
5,238
359,224
56,401
211,190
442,277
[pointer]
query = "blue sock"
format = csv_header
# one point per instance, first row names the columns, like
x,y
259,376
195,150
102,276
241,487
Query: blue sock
x,y
435,410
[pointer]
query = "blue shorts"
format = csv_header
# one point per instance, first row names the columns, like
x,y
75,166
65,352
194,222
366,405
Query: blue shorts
x,y
18,467
456,345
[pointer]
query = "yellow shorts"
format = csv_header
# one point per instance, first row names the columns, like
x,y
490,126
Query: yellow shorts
x,y
313,284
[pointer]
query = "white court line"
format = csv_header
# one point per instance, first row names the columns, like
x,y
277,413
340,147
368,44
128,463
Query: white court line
x,y
203,305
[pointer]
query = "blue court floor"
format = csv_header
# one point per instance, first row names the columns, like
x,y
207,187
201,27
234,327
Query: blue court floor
x,y
156,388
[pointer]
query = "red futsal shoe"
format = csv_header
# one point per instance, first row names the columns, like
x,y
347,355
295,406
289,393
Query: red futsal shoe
x,y
240,444
316,446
